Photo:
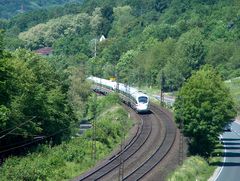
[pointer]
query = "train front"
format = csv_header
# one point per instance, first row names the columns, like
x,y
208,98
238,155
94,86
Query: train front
x,y
142,105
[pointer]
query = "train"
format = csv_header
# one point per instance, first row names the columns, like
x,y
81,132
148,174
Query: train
x,y
136,99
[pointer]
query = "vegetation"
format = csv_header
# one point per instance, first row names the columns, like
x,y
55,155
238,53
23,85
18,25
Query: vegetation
x,y
11,8
71,158
198,168
33,101
204,106
149,42
234,85
193,168
39,99
145,40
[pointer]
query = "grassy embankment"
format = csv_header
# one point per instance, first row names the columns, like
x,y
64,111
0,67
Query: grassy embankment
x,y
197,168
71,158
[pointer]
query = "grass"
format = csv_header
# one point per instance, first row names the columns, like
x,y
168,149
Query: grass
x,y
197,168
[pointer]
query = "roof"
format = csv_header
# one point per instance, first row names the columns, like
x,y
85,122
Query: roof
x,y
44,51
102,38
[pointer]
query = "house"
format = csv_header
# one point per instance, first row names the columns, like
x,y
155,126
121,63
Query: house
x,y
102,38
44,51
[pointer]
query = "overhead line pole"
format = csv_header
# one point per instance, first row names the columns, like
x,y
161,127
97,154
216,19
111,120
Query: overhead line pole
x,y
162,86
180,162
95,47
121,166
94,134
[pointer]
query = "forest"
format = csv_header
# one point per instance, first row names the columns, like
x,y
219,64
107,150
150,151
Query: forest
x,y
146,42
11,8
154,43
174,38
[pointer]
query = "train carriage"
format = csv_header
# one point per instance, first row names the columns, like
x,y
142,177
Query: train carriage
x,y
130,95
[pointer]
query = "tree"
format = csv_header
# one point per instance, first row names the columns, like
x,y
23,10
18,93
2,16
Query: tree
x,y
32,100
161,5
79,91
125,66
107,14
191,50
123,21
204,106
96,21
1,43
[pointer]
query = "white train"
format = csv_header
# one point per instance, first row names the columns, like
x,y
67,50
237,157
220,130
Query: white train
x,y
130,95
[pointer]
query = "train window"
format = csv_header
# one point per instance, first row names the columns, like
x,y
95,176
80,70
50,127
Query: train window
x,y
142,99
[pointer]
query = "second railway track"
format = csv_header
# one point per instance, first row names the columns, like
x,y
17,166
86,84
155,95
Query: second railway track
x,y
151,144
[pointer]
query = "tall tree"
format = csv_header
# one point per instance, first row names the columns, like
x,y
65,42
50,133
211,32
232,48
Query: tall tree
x,y
1,43
204,106
191,50
79,92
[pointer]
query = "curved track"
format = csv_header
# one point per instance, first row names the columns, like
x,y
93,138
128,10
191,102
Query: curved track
x,y
148,147
163,149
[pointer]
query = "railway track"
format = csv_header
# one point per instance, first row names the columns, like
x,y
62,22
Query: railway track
x,y
163,149
149,146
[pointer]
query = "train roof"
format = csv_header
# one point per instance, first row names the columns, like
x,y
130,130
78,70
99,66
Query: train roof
x,y
122,87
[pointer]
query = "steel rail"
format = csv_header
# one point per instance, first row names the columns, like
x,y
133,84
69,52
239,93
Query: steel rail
x,y
163,149
136,143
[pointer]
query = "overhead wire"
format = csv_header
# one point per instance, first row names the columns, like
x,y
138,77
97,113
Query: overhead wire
x,y
13,129
39,138
17,125
19,142
31,142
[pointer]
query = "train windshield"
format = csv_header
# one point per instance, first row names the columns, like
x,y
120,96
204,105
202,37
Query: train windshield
x,y
142,99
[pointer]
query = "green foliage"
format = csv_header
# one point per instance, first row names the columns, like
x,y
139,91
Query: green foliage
x,y
107,14
161,5
204,106
221,52
191,50
32,100
72,45
234,86
46,34
71,158
174,37
1,43
108,102
96,107
11,8
79,92
123,21
125,66
194,168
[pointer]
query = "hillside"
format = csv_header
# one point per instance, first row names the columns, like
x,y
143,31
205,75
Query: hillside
x,y
151,43
147,40
13,7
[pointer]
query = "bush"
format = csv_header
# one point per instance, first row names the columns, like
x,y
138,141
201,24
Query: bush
x,y
194,168
71,158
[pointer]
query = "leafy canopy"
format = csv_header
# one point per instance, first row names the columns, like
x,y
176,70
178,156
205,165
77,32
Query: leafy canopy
x,y
204,106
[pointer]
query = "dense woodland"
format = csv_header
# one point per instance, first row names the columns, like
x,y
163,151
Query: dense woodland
x,y
173,38
11,8
148,42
